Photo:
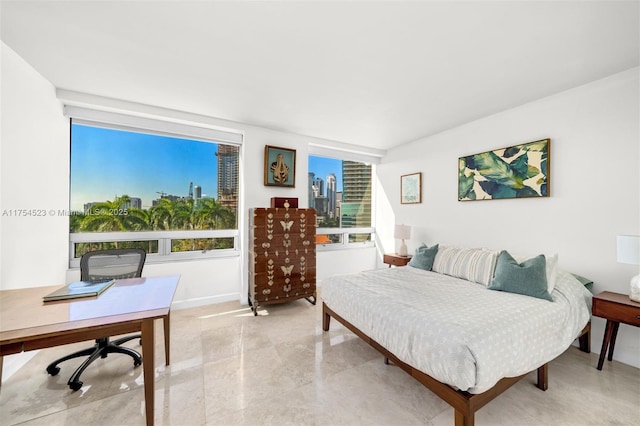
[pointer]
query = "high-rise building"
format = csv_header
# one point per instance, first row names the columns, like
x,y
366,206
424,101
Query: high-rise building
x,y
355,209
322,205
228,176
310,196
134,202
331,195
318,184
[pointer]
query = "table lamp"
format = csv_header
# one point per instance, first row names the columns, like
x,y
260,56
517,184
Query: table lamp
x,y
629,252
402,232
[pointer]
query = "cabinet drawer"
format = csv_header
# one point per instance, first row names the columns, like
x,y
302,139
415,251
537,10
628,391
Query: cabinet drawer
x,y
613,311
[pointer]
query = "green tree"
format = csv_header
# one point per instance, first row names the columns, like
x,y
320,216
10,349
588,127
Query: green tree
x,y
212,215
110,216
172,214
75,221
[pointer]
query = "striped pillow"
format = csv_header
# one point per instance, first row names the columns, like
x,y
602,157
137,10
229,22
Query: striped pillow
x,y
476,264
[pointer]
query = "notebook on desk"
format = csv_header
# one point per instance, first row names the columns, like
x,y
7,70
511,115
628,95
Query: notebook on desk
x,y
79,289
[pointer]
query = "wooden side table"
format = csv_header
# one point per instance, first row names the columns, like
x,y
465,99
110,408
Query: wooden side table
x,y
395,259
615,308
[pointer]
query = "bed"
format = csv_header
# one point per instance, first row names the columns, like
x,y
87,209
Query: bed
x,y
461,340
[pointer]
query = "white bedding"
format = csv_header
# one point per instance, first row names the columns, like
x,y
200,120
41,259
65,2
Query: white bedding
x,y
458,332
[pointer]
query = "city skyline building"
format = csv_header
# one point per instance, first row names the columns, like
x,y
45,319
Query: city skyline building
x,y
134,202
331,194
228,156
197,194
355,209
310,195
318,184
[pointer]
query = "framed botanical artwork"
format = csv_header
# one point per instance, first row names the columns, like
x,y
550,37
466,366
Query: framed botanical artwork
x,y
411,188
519,171
279,166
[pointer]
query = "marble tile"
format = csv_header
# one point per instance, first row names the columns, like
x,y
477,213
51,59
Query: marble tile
x,y
231,368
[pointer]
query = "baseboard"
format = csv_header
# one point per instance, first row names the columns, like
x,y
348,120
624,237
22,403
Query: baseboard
x,y
203,301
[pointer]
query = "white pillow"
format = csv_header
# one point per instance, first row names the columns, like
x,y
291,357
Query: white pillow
x,y
471,264
552,269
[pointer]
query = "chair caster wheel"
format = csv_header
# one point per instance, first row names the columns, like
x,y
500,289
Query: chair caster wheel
x,y
75,385
53,370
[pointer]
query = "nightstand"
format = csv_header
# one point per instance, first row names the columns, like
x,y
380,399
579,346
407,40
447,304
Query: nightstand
x,y
395,259
615,308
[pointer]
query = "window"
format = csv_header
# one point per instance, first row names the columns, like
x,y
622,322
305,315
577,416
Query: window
x,y
175,196
341,192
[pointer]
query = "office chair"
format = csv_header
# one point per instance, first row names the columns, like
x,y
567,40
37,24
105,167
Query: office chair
x,y
104,265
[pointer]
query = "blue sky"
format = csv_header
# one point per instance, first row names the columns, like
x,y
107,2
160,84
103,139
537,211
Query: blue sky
x,y
108,163
322,166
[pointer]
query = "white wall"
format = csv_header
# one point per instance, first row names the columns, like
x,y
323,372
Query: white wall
x,y
35,175
595,187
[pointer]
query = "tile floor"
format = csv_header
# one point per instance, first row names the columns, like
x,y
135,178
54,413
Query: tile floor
x,y
229,368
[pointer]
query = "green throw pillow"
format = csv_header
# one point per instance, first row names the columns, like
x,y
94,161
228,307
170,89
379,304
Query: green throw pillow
x,y
528,278
585,282
424,256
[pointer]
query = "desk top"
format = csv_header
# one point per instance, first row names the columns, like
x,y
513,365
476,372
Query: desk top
x,y
23,313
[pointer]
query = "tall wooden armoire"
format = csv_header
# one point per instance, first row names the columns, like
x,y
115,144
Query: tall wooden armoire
x,y
282,255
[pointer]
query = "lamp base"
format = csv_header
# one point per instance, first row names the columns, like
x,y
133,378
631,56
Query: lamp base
x,y
403,249
634,293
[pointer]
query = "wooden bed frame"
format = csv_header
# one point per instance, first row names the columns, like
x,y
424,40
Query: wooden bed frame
x,y
465,404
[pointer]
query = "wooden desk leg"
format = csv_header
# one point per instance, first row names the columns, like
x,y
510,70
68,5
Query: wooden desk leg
x,y
1,362
612,343
605,342
149,369
167,339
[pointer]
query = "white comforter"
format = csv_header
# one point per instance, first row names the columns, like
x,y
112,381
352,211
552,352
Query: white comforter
x,y
459,332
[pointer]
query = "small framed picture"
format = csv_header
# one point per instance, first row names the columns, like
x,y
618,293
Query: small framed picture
x,y
279,166
411,188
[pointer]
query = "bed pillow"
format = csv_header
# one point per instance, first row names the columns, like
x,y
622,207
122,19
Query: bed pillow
x,y
584,281
471,264
424,256
551,269
528,278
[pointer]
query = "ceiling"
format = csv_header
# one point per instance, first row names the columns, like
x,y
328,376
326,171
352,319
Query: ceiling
x,y
376,74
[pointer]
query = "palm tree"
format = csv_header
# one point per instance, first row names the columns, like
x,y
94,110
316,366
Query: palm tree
x,y
110,216
213,215
210,214
75,221
172,214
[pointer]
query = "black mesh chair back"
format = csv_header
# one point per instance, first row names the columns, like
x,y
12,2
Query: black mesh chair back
x,y
105,265
116,263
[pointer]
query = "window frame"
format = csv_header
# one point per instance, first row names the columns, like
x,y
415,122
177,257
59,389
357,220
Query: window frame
x,y
343,153
161,127
345,233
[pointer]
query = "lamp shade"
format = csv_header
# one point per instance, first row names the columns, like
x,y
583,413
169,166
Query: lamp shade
x,y
629,249
402,232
